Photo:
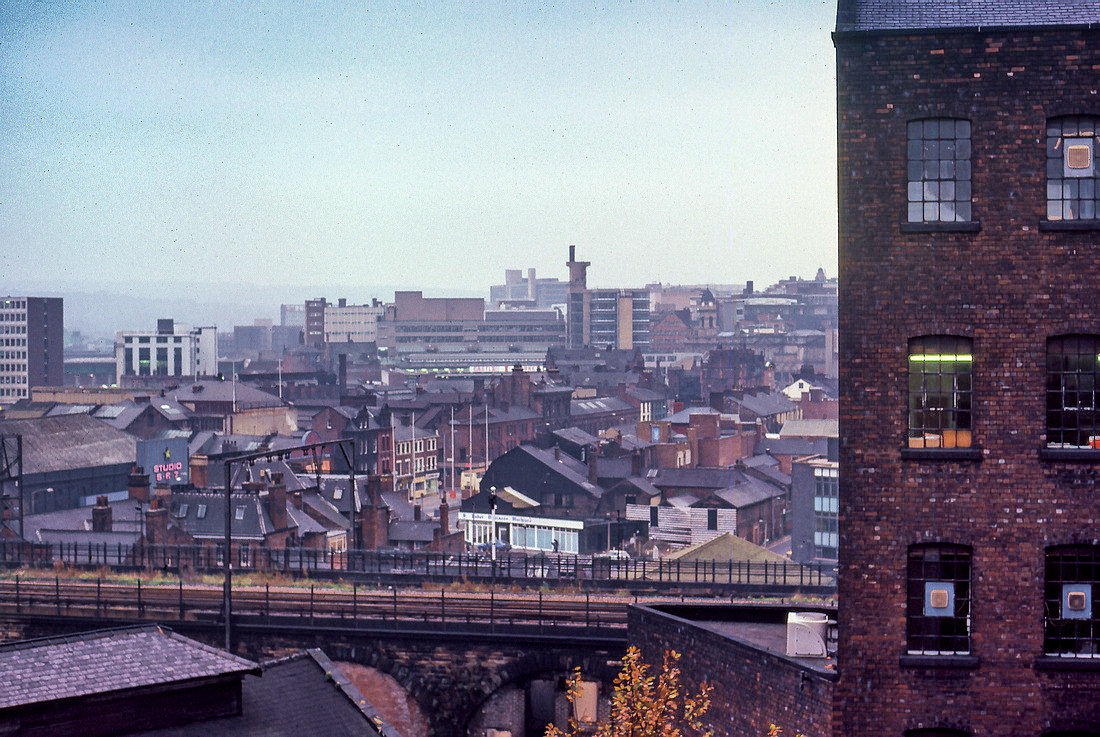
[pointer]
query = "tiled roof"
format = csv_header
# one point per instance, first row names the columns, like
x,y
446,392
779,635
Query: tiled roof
x,y
889,15
37,671
70,441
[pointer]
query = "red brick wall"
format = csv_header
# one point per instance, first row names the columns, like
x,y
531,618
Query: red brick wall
x,y
752,688
1009,287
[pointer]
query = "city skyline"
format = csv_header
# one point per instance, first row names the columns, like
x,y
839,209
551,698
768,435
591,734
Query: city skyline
x,y
417,148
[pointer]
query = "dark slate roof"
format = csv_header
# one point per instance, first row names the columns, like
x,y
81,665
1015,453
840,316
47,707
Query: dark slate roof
x,y
323,508
70,441
683,417
49,669
209,390
796,446
123,414
897,15
124,518
699,478
599,405
749,490
86,537
563,464
613,468
255,524
300,695
636,483
766,405
576,436
645,395
419,531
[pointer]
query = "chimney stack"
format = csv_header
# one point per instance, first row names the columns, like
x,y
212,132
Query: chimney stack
x,y
343,373
156,523
101,515
444,517
593,465
138,484
276,502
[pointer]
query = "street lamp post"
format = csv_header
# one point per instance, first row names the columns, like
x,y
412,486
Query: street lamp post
x,y
493,522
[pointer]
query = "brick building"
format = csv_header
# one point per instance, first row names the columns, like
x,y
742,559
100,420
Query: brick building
x,y
969,568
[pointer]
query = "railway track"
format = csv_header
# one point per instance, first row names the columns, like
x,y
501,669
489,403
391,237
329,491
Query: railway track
x,y
315,605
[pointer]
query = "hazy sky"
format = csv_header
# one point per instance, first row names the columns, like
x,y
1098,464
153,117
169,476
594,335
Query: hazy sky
x,y
431,144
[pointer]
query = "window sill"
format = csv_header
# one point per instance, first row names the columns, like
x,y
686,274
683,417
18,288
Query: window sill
x,y
1054,662
959,662
941,454
970,226
1068,225
1085,455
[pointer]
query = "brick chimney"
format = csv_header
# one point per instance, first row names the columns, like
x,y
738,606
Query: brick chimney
x,y
275,498
637,464
156,523
375,526
138,484
163,492
101,515
593,465
444,517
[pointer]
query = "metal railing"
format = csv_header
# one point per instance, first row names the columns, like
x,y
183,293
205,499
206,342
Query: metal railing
x,y
375,566
300,608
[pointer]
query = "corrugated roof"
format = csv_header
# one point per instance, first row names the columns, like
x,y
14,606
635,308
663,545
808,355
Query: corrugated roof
x,y
70,441
896,15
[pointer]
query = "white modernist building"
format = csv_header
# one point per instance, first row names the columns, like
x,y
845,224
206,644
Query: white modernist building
x,y
170,350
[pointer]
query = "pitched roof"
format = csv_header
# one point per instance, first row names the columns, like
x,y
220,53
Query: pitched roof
x,y
563,464
124,518
299,695
576,436
765,405
598,405
208,390
683,417
50,669
252,524
70,441
810,429
726,546
886,15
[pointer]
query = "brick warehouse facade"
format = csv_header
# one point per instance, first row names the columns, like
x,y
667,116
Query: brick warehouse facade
x,y
969,494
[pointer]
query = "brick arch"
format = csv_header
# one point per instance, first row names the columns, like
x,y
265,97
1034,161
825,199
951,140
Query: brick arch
x,y
546,663
451,684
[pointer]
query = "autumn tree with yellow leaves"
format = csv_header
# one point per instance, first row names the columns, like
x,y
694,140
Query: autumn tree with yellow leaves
x,y
644,704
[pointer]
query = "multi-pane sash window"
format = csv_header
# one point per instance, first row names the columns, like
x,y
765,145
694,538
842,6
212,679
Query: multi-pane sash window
x,y
1073,178
1072,616
938,600
938,170
940,392
1073,387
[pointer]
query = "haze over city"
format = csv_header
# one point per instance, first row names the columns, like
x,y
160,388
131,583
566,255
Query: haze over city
x,y
360,147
